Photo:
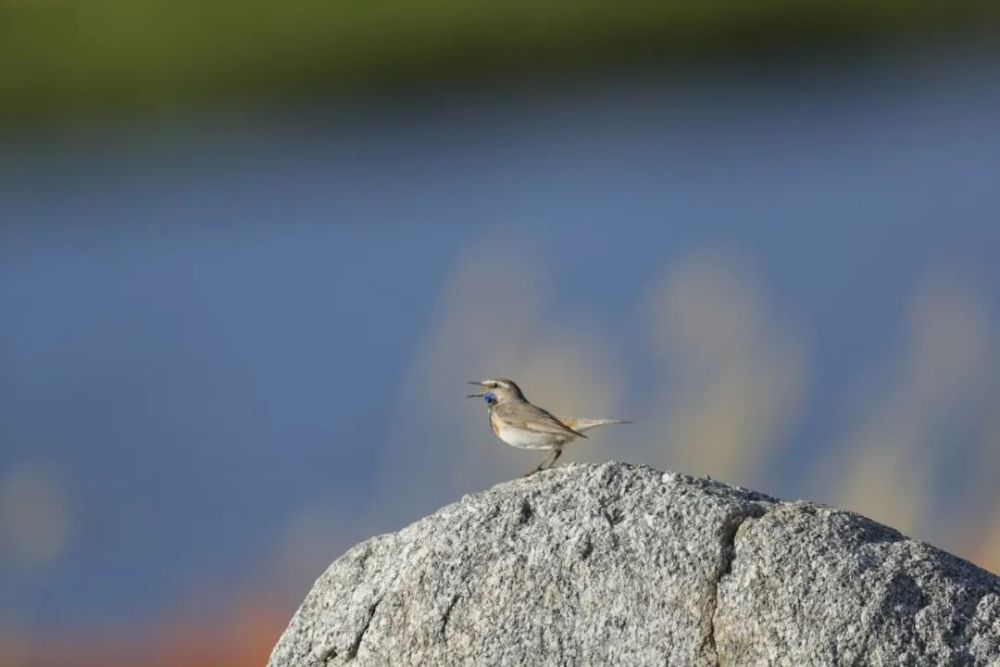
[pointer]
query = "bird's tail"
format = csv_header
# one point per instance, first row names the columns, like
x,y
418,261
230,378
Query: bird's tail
x,y
582,424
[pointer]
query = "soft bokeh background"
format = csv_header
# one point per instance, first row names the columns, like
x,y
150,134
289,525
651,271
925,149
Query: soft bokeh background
x,y
250,254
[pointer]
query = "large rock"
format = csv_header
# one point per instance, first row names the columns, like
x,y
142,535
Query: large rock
x,y
624,565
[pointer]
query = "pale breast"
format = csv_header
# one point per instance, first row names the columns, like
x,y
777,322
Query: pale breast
x,y
517,437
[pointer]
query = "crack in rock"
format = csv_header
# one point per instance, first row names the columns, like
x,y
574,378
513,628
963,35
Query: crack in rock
x,y
328,655
352,650
750,512
447,614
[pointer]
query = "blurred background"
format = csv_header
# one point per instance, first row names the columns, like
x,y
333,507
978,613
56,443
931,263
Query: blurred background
x,y
251,252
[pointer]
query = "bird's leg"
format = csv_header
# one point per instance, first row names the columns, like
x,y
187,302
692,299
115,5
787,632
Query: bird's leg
x,y
547,463
555,457
540,467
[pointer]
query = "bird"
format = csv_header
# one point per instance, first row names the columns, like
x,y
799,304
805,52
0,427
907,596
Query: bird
x,y
527,426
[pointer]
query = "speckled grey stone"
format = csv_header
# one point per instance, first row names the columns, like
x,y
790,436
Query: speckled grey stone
x,y
813,585
624,565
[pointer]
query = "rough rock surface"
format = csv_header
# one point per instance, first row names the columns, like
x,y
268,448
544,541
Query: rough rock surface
x,y
624,565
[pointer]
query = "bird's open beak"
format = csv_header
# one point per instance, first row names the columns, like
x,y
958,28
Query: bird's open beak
x,y
478,394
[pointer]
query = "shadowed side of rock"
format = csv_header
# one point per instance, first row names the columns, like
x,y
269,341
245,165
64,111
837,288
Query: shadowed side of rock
x,y
814,585
617,564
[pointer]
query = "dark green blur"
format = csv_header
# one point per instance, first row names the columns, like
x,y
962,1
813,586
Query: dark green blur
x,y
70,58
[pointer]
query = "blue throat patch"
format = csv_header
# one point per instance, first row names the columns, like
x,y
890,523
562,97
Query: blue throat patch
x,y
490,398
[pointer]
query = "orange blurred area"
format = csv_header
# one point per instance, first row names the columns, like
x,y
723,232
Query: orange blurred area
x,y
242,633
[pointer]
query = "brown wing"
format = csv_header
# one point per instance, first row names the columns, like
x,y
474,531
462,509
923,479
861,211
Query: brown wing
x,y
533,418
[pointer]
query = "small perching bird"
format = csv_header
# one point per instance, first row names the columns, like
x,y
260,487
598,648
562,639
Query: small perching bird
x,y
521,424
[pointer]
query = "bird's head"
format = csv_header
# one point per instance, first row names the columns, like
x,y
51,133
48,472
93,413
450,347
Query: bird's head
x,y
497,391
